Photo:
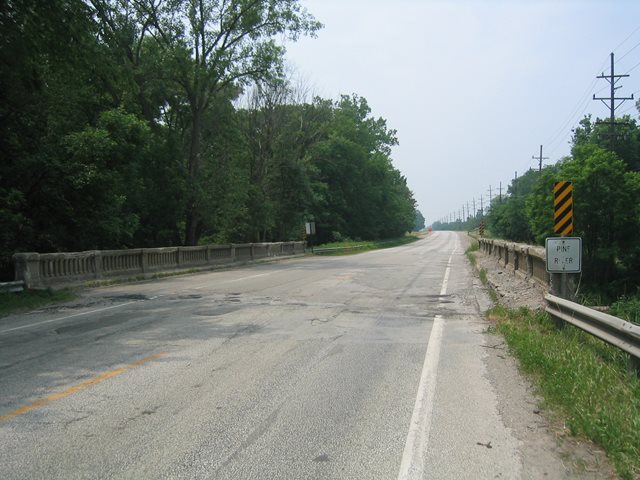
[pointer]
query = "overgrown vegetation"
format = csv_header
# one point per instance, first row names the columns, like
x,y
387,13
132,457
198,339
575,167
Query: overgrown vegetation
x,y
581,377
469,252
131,125
606,181
31,299
627,308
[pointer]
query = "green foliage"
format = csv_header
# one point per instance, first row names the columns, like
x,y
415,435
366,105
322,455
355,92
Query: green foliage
x,y
118,128
505,218
419,222
627,308
581,377
606,200
366,197
469,252
539,205
30,299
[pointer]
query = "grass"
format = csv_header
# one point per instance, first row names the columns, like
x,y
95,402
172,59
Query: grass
x,y
31,299
582,378
482,273
469,252
357,247
627,308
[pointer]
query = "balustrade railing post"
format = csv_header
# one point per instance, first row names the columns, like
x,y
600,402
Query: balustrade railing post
x,y
27,269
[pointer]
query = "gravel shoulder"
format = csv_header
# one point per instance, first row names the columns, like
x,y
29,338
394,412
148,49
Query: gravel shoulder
x,y
548,449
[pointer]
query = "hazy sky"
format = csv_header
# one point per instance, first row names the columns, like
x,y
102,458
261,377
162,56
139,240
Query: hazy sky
x,y
472,87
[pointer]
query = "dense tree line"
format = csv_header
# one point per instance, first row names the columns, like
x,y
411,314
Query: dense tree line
x,y
605,172
121,126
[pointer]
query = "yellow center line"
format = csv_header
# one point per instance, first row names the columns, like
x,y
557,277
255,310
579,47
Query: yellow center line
x,y
77,388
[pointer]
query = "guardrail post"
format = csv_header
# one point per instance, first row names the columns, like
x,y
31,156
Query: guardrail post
x,y
555,288
634,365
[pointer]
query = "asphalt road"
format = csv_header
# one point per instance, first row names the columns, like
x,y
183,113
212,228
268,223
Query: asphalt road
x,y
367,366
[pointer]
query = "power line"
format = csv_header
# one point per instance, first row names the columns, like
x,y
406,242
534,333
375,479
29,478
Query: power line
x,y
633,68
625,40
584,100
586,106
631,107
628,52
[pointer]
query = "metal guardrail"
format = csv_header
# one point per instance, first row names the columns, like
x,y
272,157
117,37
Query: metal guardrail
x,y
531,262
11,287
613,330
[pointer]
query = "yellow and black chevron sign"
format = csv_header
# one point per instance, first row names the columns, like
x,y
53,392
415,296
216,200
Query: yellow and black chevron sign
x,y
563,208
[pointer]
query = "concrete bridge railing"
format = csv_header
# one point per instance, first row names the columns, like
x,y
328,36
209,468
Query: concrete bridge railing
x,y
52,270
525,260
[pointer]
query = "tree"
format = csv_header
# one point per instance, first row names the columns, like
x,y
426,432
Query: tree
x,y
605,209
626,143
364,195
507,219
213,45
52,83
419,223
539,204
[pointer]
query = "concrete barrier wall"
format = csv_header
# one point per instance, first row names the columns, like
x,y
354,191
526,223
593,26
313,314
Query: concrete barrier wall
x,y
526,260
52,270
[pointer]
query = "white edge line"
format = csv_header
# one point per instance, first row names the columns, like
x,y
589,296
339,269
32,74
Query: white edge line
x,y
412,464
22,327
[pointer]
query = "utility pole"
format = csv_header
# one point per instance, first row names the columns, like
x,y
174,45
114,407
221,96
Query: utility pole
x,y
612,79
540,158
468,213
475,212
490,197
500,192
481,207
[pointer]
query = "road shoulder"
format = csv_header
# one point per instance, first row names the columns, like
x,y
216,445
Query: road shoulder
x,y
547,448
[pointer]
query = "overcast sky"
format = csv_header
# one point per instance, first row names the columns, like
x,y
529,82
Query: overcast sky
x,y
472,87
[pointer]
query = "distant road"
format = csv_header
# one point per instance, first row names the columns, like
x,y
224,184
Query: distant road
x,y
353,367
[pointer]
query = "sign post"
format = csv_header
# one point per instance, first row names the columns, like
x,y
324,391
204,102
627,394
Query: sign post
x,y
564,254
310,231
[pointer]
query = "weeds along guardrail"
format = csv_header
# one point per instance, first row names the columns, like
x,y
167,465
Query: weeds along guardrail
x,y
613,330
530,262
53,270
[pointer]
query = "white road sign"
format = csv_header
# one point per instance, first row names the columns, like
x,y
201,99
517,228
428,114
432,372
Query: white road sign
x,y
564,254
